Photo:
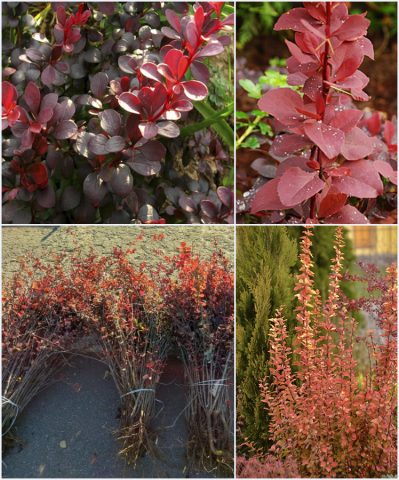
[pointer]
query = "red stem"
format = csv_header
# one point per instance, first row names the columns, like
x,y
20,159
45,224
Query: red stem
x,y
326,88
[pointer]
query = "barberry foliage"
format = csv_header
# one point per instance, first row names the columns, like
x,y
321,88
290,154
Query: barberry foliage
x,y
267,260
327,419
333,167
91,108
130,315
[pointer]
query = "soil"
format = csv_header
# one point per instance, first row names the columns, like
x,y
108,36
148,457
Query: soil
x,y
39,241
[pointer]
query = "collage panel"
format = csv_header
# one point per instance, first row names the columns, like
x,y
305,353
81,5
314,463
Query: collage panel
x,y
118,112
316,351
316,112
199,239
118,352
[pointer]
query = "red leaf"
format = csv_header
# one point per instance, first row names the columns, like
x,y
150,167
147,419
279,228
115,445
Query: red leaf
x,y
9,95
357,144
296,186
172,59
32,97
330,201
267,198
374,123
282,103
327,138
129,102
195,90
389,132
354,187
347,215
346,120
292,20
353,28
385,169
287,143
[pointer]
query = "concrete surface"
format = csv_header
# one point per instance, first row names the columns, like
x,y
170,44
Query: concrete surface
x,y
81,409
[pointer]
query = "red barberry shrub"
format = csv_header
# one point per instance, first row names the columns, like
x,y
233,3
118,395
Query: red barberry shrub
x,y
199,304
332,167
91,111
135,344
330,416
45,312
129,314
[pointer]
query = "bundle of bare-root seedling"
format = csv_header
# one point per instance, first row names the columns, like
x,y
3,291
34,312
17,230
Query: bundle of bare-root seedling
x,y
134,346
40,327
200,301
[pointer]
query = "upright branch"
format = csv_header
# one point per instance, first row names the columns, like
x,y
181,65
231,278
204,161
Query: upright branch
x,y
325,154
326,420
307,308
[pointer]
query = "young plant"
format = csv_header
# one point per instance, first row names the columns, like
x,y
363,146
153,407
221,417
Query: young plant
x,y
330,170
91,138
134,312
199,299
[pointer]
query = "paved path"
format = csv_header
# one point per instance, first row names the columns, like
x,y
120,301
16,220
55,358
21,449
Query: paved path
x,y
81,410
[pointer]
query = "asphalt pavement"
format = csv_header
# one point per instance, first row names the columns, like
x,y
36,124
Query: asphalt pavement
x,y
67,430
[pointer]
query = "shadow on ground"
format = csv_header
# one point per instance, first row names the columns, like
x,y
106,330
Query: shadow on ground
x,y
67,429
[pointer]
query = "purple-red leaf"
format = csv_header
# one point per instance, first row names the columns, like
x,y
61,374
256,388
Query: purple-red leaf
x,y
282,103
49,75
195,90
296,186
148,129
150,70
110,121
46,197
122,181
98,84
346,216
32,97
127,64
65,129
129,102
357,144
168,129
327,138
94,188
214,47
115,144
267,198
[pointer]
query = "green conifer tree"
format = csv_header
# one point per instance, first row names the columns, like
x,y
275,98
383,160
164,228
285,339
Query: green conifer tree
x,y
265,259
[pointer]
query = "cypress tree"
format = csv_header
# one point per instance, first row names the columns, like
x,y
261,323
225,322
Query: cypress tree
x,y
265,259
